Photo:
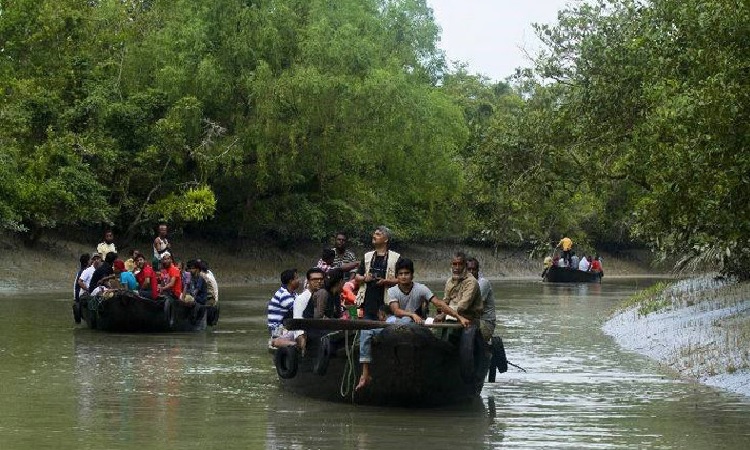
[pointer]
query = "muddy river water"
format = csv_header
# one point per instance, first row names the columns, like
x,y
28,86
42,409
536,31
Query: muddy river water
x,y
65,387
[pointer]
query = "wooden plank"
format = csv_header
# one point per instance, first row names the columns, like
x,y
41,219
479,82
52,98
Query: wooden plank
x,y
335,324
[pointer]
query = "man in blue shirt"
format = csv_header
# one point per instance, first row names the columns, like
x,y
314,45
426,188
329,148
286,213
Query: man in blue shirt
x,y
280,307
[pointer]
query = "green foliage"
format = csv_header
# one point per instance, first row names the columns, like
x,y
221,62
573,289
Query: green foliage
x,y
648,300
291,119
194,204
636,123
286,119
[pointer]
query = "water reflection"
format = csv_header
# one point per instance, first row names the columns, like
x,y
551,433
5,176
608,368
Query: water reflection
x,y
299,423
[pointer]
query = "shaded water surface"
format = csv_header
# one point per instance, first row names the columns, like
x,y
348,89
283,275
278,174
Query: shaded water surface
x,y
63,386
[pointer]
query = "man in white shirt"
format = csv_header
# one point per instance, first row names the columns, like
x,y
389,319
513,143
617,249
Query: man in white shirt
x,y
85,279
315,277
574,261
584,264
108,245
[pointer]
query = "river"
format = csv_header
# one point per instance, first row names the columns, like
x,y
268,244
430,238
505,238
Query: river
x,y
66,387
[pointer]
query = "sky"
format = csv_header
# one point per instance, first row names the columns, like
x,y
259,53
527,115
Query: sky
x,y
490,35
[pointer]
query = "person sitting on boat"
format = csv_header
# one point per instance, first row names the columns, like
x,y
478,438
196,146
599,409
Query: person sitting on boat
x,y
326,259
462,293
326,302
566,244
197,289
170,277
83,264
349,292
574,260
126,277
488,319
130,262
148,282
365,345
548,261
344,258
408,301
102,274
212,287
161,244
108,245
280,307
325,263
303,308
212,292
84,280
376,273
584,264
562,262
596,266
185,273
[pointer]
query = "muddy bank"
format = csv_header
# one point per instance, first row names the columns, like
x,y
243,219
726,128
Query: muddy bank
x,y
51,266
699,327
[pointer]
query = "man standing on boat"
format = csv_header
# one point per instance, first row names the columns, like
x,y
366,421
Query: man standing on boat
x,y
344,258
161,244
376,273
462,294
108,245
488,320
566,244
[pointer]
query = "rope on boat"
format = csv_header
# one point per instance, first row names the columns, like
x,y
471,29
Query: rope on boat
x,y
348,378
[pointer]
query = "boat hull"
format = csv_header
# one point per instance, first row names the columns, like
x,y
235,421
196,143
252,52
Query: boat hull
x,y
126,312
568,275
411,367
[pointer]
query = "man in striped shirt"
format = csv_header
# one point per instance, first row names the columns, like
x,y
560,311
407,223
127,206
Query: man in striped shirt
x,y
281,307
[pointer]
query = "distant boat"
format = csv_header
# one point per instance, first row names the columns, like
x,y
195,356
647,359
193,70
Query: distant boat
x,y
121,310
412,365
568,275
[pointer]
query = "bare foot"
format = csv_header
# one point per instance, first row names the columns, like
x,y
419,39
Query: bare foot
x,y
363,381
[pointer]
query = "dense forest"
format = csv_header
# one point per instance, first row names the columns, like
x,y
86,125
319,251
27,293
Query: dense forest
x,y
285,120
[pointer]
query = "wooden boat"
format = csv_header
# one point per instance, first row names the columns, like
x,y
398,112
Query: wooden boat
x,y
568,275
412,365
121,310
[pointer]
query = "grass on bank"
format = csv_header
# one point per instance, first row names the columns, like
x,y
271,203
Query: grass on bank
x,y
722,345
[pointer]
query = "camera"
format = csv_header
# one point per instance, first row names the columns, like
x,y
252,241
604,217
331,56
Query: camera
x,y
377,272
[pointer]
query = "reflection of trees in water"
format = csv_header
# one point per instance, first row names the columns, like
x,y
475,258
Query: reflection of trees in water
x,y
139,382
299,423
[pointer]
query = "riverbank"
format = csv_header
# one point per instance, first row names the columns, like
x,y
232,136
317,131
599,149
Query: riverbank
x,y
52,264
699,327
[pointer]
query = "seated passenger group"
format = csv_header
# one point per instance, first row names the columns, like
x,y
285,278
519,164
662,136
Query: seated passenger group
x,y
103,271
387,292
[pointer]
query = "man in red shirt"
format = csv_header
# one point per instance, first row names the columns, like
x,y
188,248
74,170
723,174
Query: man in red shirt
x,y
171,278
596,267
148,283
